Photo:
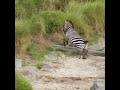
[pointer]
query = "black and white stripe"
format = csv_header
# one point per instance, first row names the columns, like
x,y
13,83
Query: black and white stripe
x,y
73,38
78,42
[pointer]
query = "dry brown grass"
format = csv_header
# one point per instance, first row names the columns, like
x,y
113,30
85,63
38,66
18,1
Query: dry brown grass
x,y
21,44
56,38
40,41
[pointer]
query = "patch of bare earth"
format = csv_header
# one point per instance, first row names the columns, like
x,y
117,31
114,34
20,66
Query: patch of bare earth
x,y
72,74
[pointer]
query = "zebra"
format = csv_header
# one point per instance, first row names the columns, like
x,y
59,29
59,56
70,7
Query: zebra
x,y
75,40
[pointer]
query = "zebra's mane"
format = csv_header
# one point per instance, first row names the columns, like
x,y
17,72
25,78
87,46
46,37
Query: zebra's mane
x,y
70,23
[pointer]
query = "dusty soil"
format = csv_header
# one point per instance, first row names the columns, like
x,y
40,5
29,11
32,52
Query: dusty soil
x,y
72,74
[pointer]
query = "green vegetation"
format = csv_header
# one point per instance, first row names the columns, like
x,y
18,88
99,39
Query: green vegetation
x,y
39,23
21,83
39,65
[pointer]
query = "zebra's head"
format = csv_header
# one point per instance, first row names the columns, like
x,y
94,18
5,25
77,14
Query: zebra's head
x,y
67,25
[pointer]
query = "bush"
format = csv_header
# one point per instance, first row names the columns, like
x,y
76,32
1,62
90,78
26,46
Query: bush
x,y
88,18
53,20
37,53
39,65
21,83
38,22
22,35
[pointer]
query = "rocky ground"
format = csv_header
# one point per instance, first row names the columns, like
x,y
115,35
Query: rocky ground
x,y
63,72
69,73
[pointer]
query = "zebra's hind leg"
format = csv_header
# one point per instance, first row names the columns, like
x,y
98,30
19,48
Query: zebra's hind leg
x,y
84,54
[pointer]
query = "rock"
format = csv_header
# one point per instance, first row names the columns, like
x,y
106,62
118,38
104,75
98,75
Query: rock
x,y
77,87
98,86
52,60
51,56
48,63
47,67
103,49
18,64
30,72
99,46
94,87
96,47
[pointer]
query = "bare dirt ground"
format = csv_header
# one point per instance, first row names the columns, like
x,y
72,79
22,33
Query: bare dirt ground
x,y
72,74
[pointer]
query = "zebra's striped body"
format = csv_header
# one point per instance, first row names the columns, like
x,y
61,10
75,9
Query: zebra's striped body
x,y
73,39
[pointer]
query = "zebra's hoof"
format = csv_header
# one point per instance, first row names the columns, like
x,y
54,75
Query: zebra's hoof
x,y
83,58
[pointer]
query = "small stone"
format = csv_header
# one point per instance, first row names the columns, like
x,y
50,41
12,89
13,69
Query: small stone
x,y
30,72
97,86
18,64
77,87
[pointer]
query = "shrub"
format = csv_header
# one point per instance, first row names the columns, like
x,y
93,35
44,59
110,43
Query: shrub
x,y
53,20
39,65
21,83
38,22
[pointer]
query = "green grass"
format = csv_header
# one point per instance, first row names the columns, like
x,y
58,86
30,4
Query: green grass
x,y
21,83
37,53
53,20
88,18
37,21
39,65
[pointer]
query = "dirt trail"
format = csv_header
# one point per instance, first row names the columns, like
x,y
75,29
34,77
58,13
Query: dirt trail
x,y
72,74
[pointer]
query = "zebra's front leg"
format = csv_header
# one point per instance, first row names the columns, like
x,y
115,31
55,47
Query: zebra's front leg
x,y
67,44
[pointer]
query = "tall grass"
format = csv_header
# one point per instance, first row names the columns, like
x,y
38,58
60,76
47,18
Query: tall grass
x,y
21,83
88,18
40,22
